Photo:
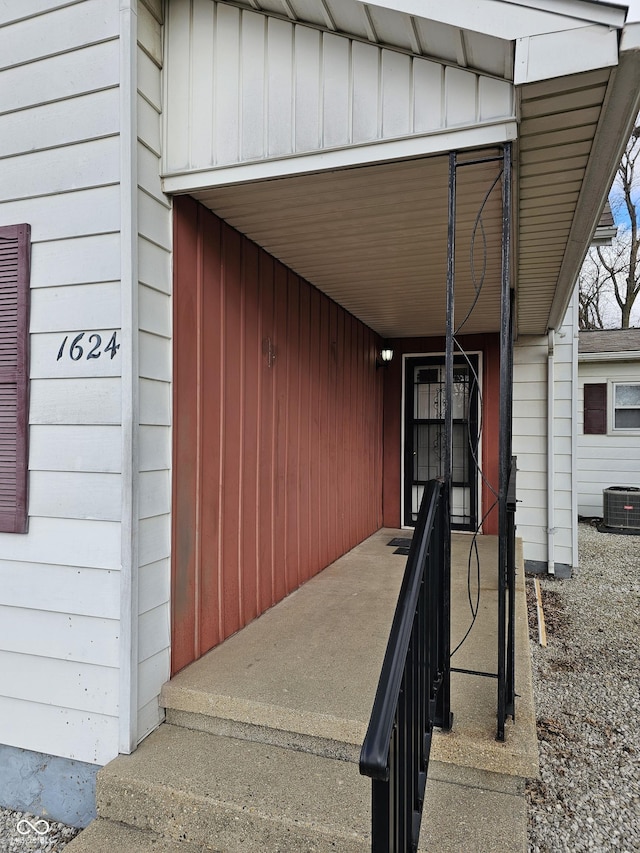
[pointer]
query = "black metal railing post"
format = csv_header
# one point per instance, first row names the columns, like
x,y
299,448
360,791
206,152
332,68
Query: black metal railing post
x,y
410,698
441,618
510,674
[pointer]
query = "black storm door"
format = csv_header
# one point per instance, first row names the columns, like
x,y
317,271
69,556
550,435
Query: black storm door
x,y
425,431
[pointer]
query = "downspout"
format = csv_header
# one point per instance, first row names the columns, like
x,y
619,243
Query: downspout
x,y
574,434
550,453
128,681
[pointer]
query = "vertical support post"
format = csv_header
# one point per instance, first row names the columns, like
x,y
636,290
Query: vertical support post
x,y
443,712
130,414
506,393
381,841
510,687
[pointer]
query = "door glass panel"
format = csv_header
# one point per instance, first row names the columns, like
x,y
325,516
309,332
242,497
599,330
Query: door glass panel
x,y
427,456
460,505
461,393
417,492
460,464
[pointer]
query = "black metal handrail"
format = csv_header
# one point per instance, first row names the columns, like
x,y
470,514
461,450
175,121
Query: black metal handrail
x,y
414,689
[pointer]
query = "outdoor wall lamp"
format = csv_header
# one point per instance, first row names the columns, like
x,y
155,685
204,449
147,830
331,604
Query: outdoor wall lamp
x,y
384,358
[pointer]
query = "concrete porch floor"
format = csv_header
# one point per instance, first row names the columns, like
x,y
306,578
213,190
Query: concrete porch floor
x,y
304,676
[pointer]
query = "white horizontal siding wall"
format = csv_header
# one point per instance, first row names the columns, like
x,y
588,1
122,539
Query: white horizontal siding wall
x,y
155,350
605,460
245,87
564,408
530,443
60,583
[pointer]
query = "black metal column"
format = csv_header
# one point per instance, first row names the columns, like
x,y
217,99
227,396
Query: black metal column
x,y
443,714
505,626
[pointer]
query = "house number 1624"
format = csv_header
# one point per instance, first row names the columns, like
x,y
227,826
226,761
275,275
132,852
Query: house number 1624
x,y
90,348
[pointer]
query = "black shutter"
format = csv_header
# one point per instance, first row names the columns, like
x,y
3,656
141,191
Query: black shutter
x,y
595,408
15,247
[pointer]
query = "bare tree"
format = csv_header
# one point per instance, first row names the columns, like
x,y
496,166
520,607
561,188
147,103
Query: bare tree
x,y
591,292
610,276
626,284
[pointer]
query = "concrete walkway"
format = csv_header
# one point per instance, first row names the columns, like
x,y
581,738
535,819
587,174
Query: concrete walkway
x,y
303,676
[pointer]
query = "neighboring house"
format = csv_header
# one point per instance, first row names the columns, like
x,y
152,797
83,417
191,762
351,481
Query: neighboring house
x,y
608,414
233,206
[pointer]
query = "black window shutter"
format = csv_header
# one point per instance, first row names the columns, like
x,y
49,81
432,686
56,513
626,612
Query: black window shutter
x,y
15,251
595,408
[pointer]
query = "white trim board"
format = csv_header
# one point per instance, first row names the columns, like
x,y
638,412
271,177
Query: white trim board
x,y
482,135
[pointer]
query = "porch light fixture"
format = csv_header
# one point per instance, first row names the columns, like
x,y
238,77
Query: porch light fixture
x,y
384,358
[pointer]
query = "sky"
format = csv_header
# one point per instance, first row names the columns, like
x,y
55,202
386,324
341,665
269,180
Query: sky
x,y
634,15
613,314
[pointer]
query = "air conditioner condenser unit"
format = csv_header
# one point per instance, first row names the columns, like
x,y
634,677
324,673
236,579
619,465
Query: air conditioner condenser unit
x,y
621,509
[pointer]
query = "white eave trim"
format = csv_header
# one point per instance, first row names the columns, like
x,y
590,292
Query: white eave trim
x,y
604,236
450,139
630,40
510,19
625,355
559,54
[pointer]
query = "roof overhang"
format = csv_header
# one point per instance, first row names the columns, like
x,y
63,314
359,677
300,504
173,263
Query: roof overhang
x,y
629,355
577,74
511,20
550,39
604,236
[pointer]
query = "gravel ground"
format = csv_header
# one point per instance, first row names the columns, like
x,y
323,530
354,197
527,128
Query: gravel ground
x,y
23,833
587,694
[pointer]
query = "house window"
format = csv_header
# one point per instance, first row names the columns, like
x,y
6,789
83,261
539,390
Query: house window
x,y
15,243
626,405
595,408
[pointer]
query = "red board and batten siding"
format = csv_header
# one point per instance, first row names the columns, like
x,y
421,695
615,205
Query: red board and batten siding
x,y
277,432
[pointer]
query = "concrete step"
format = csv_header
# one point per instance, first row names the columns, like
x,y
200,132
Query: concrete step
x,y
247,760
233,795
466,809
190,792
303,676
225,716
105,836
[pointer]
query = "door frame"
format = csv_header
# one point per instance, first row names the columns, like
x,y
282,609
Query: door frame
x,y
440,354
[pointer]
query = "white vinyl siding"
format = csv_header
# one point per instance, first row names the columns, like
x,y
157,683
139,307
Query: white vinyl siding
x,y
530,443
60,582
60,170
246,87
564,410
531,446
155,365
611,459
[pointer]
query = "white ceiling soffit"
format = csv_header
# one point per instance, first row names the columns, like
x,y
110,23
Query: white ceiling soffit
x,y
374,239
